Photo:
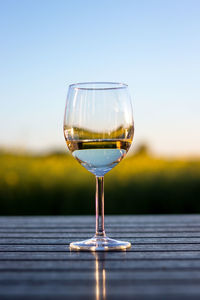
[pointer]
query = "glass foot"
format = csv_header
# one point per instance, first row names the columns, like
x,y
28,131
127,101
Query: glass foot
x,y
100,244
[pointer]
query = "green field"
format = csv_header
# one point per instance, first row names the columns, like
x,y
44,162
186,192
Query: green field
x,y
57,184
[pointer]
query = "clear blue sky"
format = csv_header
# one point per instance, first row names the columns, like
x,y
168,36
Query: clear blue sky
x,y
154,46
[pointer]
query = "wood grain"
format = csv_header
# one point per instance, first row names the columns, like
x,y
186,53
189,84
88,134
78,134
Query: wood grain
x,y
163,263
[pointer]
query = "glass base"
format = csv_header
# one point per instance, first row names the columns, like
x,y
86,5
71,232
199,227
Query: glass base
x,y
99,244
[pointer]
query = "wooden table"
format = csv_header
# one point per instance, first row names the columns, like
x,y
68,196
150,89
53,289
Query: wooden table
x,y
163,263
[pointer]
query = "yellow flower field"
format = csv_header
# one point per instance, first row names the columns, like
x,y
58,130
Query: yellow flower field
x,y
57,184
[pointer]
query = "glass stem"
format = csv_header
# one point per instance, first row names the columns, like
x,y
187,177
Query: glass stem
x,y
100,207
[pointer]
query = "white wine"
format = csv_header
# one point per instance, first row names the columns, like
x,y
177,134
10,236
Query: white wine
x,y
99,156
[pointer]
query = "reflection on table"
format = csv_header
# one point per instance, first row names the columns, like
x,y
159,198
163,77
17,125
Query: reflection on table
x,y
100,276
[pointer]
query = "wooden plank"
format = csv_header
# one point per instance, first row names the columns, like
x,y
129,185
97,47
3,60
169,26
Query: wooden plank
x,y
114,265
92,225
111,290
140,248
109,256
76,275
114,219
179,221
68,283
108,297
64,241
89,296
91,229
90,280
77,234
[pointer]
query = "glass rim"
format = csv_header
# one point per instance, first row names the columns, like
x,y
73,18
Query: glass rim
x,y
98,85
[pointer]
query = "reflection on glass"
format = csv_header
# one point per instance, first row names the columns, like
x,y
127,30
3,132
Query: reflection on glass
x,y
100,277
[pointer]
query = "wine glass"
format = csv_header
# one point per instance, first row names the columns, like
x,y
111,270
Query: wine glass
x,y
99,129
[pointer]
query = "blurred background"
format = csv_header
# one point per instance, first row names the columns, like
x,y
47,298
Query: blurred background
x,y
153,46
